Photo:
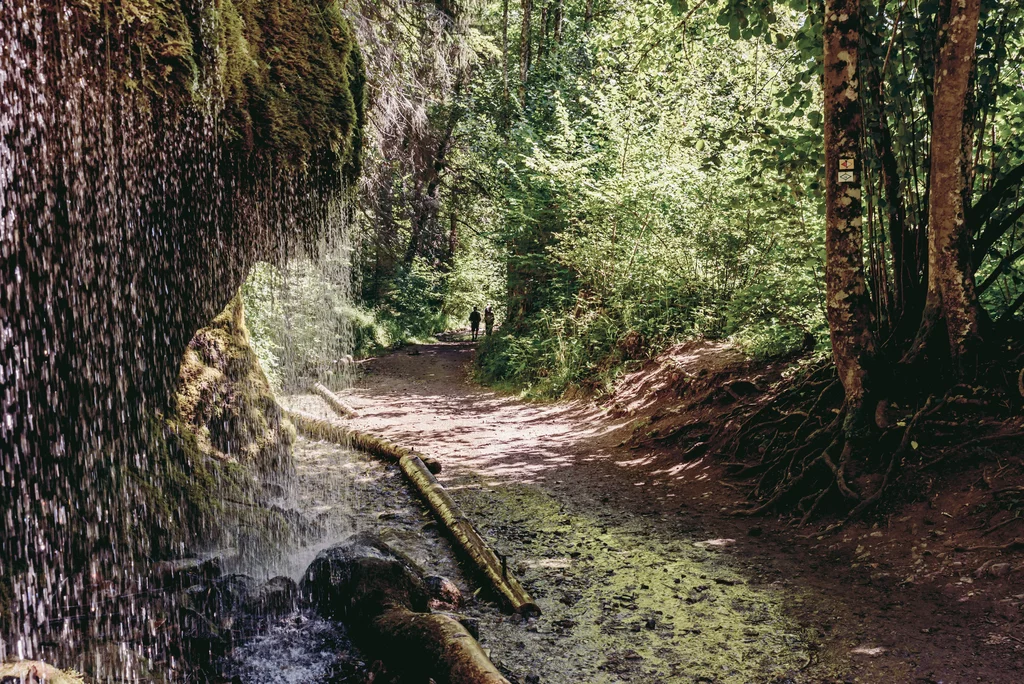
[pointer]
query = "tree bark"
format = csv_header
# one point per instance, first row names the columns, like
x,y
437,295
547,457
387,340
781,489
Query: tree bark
x,y
506,103
421,475
524,48
335,402
952,298
847,299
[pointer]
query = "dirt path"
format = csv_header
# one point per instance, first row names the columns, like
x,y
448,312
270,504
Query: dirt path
x,y
641,574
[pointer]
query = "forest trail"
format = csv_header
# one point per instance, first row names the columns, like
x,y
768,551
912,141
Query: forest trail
x,y
641,573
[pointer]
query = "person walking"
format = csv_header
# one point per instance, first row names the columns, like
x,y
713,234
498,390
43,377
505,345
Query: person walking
x,y
488,320
474,322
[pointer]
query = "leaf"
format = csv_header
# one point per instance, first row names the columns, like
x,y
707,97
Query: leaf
x,y
679,6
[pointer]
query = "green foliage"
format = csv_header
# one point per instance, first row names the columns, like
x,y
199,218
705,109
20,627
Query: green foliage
x,y
658,176
638,208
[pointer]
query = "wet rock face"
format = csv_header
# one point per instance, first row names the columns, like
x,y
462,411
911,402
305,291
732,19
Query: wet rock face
x,y
147,159
361,577
276,598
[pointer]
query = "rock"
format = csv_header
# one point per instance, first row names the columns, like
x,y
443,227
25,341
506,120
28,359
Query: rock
x,y
35,672
999,569
443,592
184,572
275,598
222,598
360,578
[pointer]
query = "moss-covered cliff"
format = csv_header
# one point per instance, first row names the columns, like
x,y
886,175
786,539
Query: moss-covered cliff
x,y
223,450
284,77
150,152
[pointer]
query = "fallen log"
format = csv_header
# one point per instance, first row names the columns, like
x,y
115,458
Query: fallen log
x,y
380,594
357,439
462,530
335,402
419,473
437,644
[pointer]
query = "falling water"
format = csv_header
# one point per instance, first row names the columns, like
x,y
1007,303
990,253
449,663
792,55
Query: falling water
x,y
130,212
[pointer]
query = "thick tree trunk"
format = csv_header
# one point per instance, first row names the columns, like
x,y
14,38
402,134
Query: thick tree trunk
x,y
847,299
524,48
952,298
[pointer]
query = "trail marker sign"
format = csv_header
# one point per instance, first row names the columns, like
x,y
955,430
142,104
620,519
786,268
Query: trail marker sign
x,y
846,170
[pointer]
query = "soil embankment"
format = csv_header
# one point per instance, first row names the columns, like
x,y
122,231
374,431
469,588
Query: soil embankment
x,y
641,572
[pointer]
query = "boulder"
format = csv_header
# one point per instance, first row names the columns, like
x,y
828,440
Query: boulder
x,y
184,572
273,599
222,598
361,578
35,672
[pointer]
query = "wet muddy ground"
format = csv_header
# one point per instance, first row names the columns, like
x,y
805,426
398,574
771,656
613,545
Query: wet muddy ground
x,y
640,573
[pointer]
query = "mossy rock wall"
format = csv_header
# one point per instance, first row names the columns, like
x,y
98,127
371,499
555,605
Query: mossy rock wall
x,y
222,452
152,152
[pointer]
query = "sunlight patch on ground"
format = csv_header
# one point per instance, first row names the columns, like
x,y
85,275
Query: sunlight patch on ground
x,y
642,461
715,543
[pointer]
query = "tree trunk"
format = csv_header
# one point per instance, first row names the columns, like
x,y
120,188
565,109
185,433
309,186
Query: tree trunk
x,y
453,238
952,299
847,298
419,471
506,104
905,246
542,44
524,49
558,24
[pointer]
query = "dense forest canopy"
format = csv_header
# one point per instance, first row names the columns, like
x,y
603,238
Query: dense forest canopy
x,y
616,175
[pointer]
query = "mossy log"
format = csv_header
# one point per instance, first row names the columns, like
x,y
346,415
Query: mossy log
x,y
437,644
419,473
462,530
357,439
332,399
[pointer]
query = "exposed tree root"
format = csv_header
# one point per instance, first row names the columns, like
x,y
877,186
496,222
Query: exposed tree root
x,y
1015,545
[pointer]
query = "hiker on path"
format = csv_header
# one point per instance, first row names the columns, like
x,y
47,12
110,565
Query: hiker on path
x,y
474,322
488,320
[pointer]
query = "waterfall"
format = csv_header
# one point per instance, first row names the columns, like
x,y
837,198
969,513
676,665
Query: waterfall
x,y
149,155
